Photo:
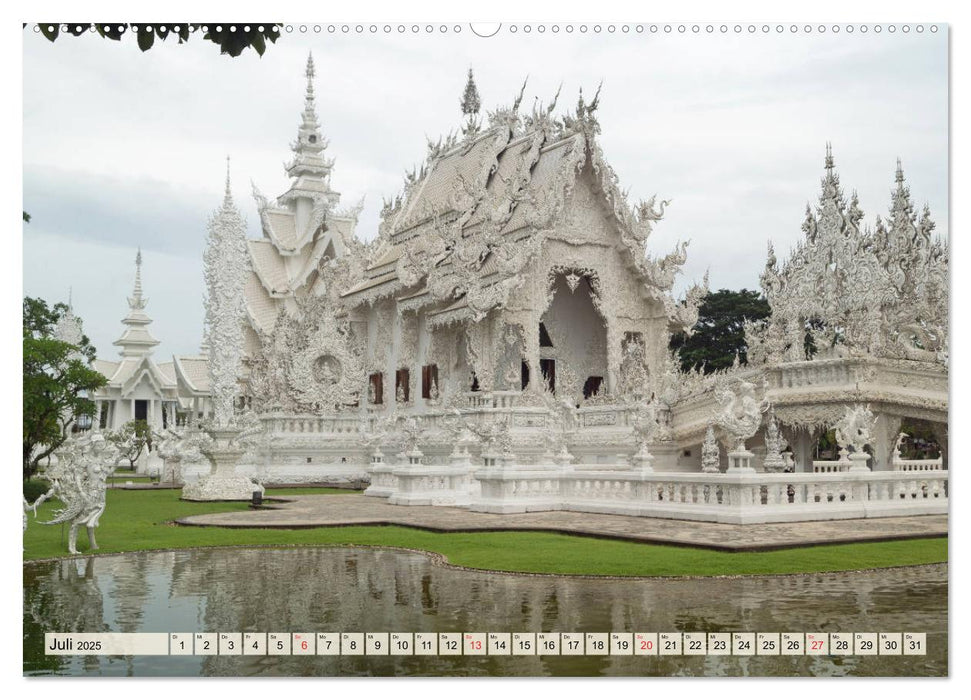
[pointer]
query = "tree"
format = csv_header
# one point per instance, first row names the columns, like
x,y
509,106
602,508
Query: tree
x,y
57,379
231,37
720,333
131,439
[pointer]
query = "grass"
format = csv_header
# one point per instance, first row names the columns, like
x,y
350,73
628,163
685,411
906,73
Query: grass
x,y
137,520
118,480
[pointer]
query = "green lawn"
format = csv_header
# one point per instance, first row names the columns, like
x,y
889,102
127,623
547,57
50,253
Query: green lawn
x,y
118,480
136,520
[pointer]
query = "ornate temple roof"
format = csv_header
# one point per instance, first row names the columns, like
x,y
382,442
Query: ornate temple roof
x,y
478,209
882,292
193,372
296,238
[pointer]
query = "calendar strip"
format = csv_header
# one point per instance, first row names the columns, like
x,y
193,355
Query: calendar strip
x,y
488,644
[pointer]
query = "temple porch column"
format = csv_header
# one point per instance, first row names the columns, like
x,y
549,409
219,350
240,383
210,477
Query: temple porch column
x,y
802,449
885,430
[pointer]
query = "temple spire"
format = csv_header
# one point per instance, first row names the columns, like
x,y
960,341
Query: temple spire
x,y
831,190
308,160
136,340
136,301
310,79
470,104
229,192
901,208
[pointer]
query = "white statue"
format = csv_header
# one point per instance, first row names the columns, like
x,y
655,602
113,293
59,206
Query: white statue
x,y
710,458
774,445
741,413
645,423
80,481
855,428
898,443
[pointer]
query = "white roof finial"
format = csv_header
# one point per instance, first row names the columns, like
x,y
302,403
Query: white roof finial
x,y
136,301
229,191
310,76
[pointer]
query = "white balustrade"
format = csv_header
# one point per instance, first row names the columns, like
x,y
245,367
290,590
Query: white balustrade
x,y
730,498
917,465
824,466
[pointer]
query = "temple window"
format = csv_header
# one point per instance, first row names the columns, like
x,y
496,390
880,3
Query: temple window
x,y
429,378
548,368
524,375
544,337
376,388
402,385
592,386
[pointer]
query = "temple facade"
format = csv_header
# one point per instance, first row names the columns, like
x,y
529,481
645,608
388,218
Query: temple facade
x,y
502,344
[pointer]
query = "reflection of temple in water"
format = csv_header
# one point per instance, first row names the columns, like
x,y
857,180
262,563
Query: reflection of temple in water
x,y
376,590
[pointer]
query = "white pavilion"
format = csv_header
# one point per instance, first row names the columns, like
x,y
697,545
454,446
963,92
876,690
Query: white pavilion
x,y
139,388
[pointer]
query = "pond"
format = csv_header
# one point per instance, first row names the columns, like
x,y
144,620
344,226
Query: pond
x,y
382,590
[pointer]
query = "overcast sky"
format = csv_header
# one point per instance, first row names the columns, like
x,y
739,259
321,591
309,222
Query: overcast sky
x,y
124,149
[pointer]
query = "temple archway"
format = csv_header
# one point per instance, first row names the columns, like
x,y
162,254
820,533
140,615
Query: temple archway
x,y
573,339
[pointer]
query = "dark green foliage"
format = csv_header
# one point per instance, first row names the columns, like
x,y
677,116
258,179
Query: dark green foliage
x,y
229,42
719,332
35,488
56,383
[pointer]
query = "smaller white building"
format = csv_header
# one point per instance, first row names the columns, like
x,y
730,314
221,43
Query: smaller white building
x,y
138,388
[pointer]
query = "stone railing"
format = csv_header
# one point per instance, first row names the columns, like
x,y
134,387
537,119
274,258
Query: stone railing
x,y
339,424
601,417
829,466
728,498
492,399
917,465
842,371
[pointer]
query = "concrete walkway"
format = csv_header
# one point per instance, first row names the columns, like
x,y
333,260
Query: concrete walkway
x,y
356,509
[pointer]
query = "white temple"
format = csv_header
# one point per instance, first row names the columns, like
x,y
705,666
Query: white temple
x,y
502,344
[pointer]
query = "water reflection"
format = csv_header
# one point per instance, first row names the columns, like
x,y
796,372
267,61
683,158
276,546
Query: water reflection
x,y
366,590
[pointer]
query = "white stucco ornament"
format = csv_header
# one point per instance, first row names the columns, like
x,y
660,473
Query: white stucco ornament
x,y
225,269
710,458
79,480
855,429
774,445
742,410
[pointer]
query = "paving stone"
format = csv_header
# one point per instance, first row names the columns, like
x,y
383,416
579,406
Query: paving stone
x,y
356,509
